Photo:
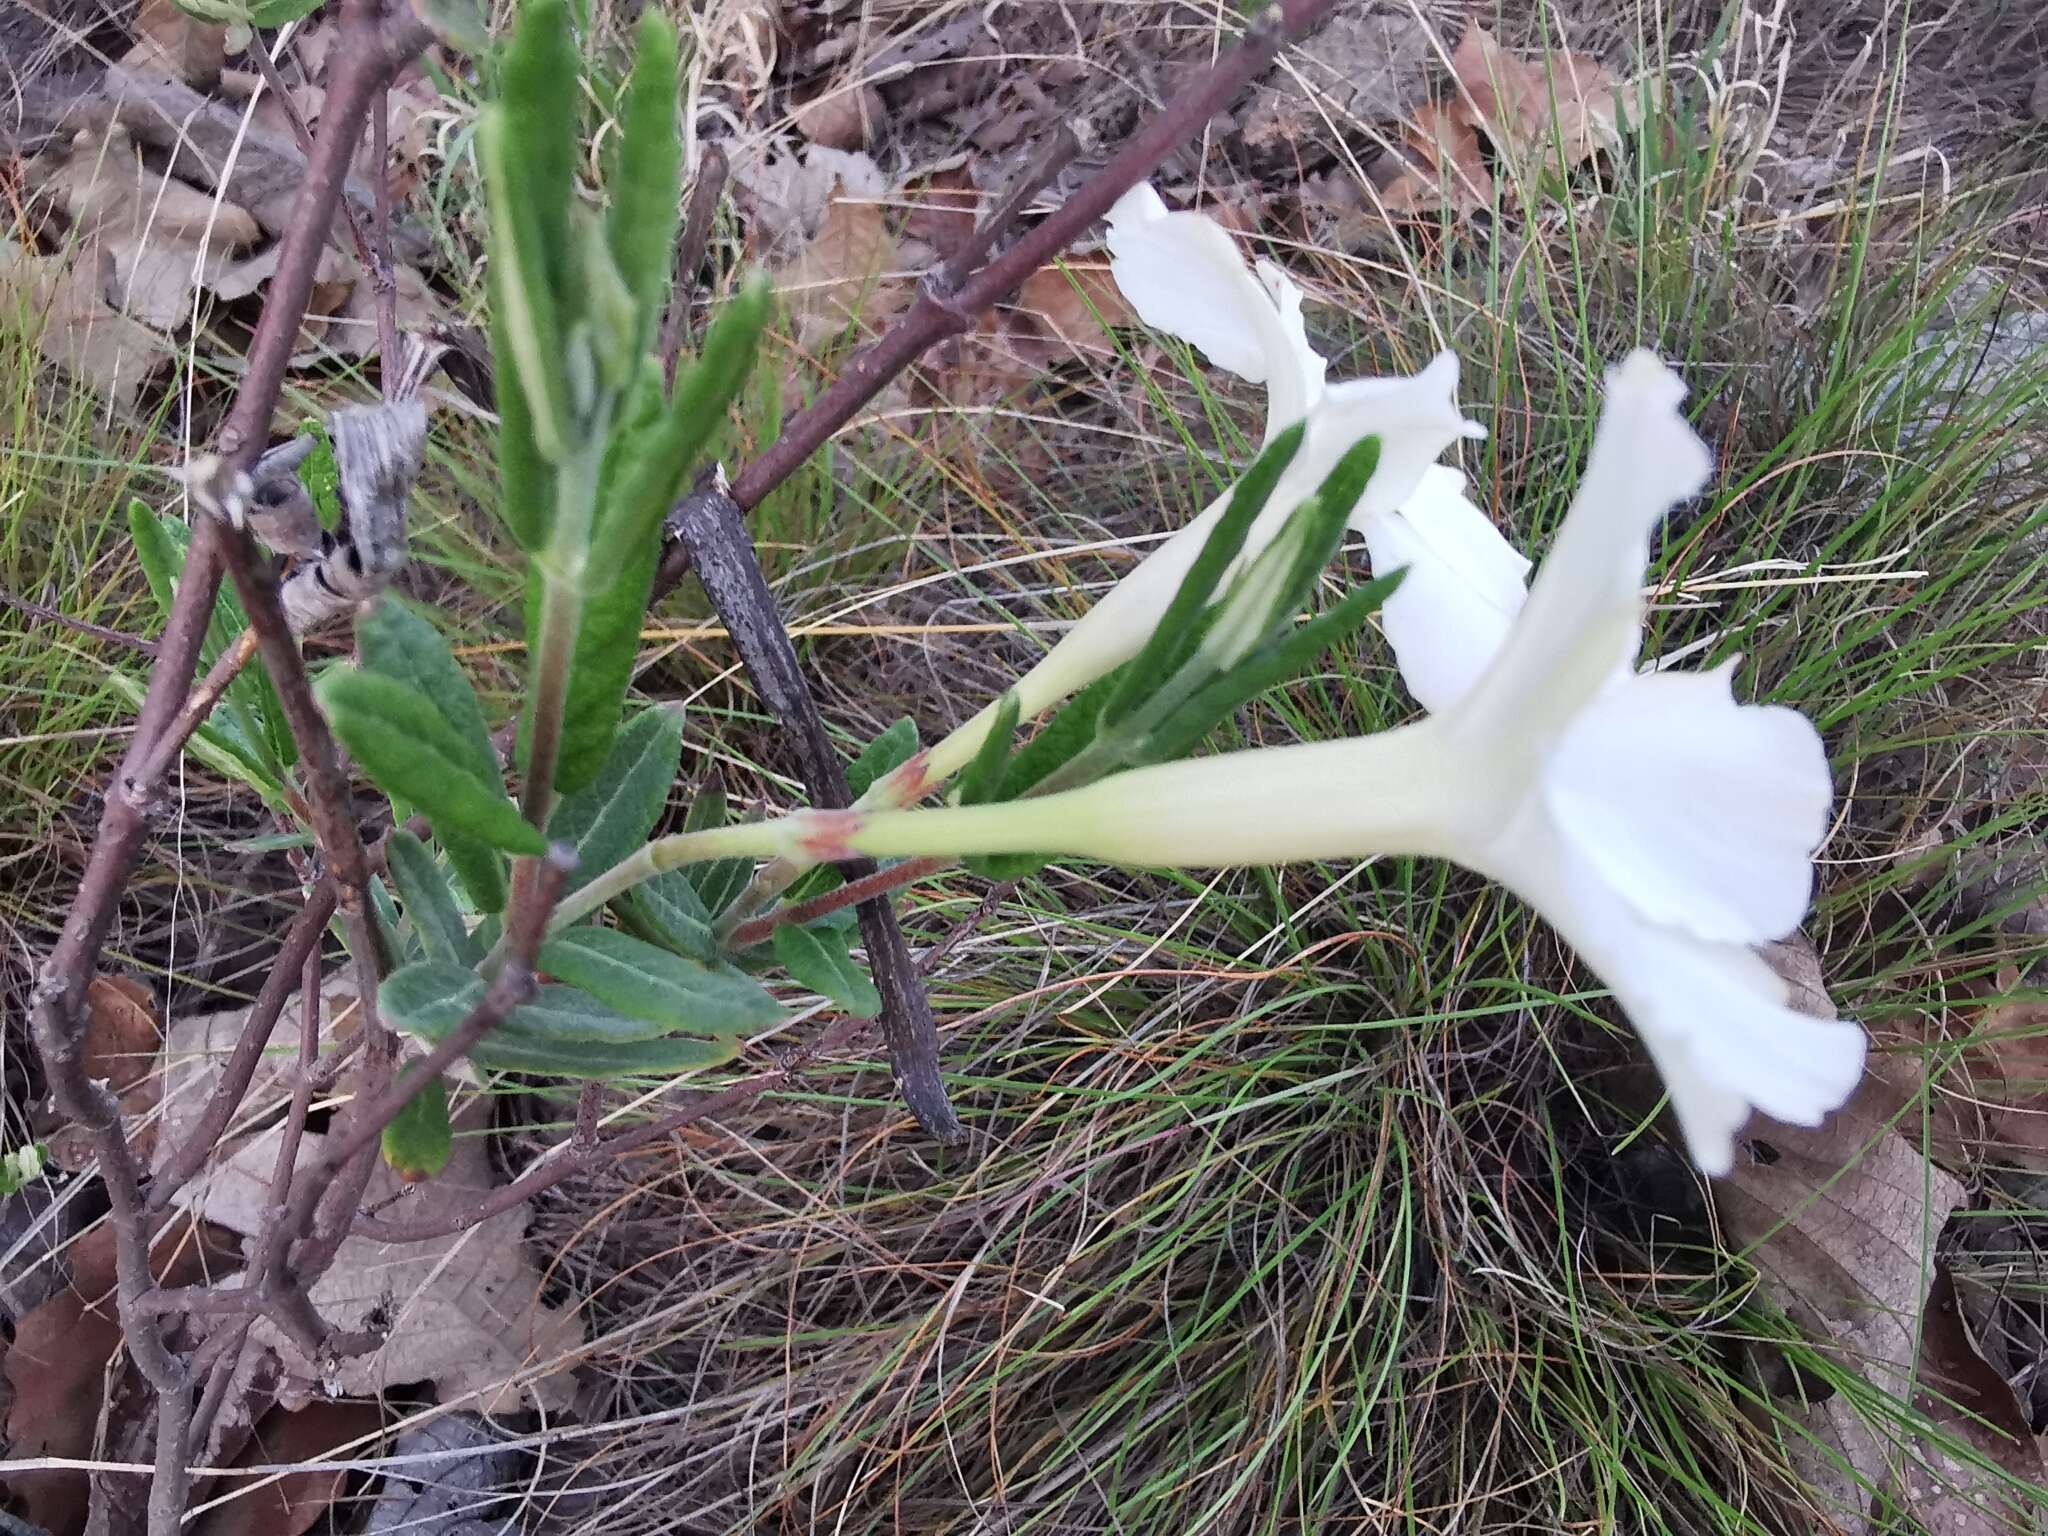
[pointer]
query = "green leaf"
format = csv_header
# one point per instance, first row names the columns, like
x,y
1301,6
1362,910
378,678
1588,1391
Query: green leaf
x,y
399,941
402,741
1062,738
319,471
401,645
526,478
419,1141
461,24
516,1050
610,817
607,644
429,903
643,982
524,257
885,754
983,779
1179,629
718,881
819,958
648,176
667,911
563,1032
636,492
1279,661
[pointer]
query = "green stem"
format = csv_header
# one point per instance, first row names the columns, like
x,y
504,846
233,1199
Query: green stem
x,y
562,566
743,840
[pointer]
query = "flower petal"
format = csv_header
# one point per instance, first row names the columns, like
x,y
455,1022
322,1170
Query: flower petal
x,y
1416,417
1701,812
1185,276
1585,607
1714,1017
1464,586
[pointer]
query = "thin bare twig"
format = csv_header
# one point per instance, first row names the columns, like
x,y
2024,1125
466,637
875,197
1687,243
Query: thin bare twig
x,y
301,948
83,626
878,882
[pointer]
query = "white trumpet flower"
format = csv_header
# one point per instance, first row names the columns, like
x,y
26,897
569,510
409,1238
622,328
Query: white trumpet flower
x,y
1183,275
1661,827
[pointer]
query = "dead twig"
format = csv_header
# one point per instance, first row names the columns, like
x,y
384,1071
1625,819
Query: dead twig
x,y
714,531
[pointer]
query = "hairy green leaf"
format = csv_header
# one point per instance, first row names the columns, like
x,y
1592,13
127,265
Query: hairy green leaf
x,y
563,1032
885,754
429,903
644,982
402,741
648,177
610,817
983,779
820,958
667,911
1174,639
419,1141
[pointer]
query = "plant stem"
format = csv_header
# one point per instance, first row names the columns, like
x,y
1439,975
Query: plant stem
x,y
562,566
745,840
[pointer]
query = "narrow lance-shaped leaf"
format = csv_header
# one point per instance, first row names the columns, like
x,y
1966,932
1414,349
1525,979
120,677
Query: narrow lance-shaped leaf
x,y
251,709
400,738
529,318
526,478
643,982
397,643
564,1032
885,754
429,904
648,178
668,911
1281,660
820,959
718,881
1174,639
419,1140
983,779
612,815
625,547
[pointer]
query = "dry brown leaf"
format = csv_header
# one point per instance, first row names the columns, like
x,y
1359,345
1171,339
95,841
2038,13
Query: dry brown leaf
x,y
843,274
291,1504
1362,67
59,1358
1985,1073
123,1038
1436,164
943,210
841,119
1841,1221
462,1312
75,327
1562,102
786,194
1067,308
179,44
1961,1392
166,238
